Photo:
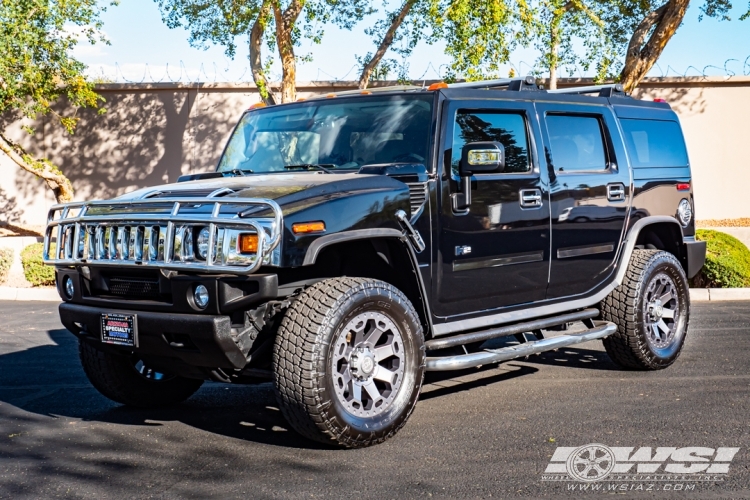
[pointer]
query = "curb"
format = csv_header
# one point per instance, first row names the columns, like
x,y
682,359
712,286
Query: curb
x,y
29,294
696,294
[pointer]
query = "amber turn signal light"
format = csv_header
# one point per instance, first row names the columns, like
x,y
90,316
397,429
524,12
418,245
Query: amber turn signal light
x,y
437,86
308,227
248,243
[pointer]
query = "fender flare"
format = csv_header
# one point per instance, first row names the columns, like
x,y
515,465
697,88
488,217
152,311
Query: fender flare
x,y
367,234
632,237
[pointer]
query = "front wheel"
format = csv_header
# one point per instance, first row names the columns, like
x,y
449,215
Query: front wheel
x,y
651,309
127,380
349,362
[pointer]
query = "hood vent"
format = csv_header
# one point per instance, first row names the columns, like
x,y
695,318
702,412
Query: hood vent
x,y
189,193
417,196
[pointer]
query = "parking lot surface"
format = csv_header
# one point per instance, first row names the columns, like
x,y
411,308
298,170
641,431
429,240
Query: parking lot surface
x,y
481,433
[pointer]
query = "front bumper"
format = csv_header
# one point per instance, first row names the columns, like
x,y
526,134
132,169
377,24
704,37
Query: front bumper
x,y
198,340
695,252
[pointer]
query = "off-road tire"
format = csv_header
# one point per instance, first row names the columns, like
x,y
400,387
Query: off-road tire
x,y
302,354
116,377
628,347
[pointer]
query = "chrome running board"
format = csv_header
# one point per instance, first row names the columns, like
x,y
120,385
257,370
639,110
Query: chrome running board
x,y
601,329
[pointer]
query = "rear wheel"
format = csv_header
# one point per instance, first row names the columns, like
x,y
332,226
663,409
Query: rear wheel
x,y
129,381
651,309
349,362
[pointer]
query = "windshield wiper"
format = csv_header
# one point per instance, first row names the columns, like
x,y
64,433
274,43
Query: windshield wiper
x,y
312,166
239,173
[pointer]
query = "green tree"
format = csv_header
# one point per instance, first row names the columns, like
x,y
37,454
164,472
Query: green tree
x,y
279,24
37,70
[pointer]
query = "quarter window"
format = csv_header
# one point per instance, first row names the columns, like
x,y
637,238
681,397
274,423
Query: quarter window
x,y
509,129
577,143
654,143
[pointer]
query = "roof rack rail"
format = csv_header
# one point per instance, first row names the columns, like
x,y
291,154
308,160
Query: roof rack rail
x,y
610,90
513,84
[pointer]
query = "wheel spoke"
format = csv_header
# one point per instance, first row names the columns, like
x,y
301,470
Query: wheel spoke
x,y
667,296
383,374
357,393
655,329
372,390
383,352
663,327
667,313
372,337
346,377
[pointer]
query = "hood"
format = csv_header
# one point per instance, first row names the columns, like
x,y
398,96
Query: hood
x,y
286,189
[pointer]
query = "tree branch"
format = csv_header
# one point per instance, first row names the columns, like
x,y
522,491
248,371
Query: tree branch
x,y
44,169
385,44
256,62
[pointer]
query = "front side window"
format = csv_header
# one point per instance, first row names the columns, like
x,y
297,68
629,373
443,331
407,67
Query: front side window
x,y
509,129
577,143
341,134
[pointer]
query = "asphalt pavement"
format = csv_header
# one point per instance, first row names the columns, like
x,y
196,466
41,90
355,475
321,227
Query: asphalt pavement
x,y
477,434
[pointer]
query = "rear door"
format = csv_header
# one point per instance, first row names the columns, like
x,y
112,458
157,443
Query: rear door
x,y
590,193
496,253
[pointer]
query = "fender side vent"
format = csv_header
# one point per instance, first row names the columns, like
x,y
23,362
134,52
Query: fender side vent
x,y
417,195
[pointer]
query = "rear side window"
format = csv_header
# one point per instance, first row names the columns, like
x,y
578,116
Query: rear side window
x,y
577,143
654,143
509,129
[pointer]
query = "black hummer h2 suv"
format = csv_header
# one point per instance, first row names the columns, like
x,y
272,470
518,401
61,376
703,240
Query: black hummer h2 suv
x,y
348,243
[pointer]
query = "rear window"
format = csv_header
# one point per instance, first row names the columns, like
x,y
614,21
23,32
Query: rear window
x,y
654,143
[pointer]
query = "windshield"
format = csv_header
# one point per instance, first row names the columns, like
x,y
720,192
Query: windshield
x,y
336,134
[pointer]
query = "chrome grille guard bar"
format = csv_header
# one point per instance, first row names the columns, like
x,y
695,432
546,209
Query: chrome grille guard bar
x,y
138,237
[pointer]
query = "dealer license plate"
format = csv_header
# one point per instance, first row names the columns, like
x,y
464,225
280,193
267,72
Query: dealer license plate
x,y
120,329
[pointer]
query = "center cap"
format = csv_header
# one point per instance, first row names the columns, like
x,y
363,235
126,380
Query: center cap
x,y
362,363
656,309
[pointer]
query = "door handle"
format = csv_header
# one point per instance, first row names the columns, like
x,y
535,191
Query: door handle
x,y
615,192
530,198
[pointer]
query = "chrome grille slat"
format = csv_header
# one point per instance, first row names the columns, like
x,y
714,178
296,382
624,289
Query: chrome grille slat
x,y
139,237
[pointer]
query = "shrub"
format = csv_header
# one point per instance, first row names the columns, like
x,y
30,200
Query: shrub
x,y
727,261
36,272
6,260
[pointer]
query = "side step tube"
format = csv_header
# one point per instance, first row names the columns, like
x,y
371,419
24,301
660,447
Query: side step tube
x,y
503,331
601,329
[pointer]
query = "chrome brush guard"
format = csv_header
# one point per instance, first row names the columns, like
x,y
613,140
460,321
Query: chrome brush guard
x,y
161,234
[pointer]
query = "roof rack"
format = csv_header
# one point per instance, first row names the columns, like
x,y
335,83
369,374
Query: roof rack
x,y
512,84
610,90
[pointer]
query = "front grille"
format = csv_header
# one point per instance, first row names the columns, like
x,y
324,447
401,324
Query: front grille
x,y
135,288
417,195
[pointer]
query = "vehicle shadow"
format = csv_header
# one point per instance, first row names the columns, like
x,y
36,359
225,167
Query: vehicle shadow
x,y
48,380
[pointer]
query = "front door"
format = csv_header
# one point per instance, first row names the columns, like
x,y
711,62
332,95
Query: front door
x,y
590,192
496,253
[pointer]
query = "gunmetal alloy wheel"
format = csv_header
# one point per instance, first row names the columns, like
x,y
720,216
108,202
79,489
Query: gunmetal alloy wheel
x,y
651,309
367,364
349,361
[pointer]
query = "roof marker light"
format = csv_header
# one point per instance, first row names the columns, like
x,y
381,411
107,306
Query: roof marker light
x,y
257,105
659,99
437,86
683,186
331,95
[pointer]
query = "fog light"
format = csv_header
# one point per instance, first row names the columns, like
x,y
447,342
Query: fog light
x,y
685,212
68,287
201,296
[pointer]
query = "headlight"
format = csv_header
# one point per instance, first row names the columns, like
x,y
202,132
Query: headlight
x,y
685,212
202,242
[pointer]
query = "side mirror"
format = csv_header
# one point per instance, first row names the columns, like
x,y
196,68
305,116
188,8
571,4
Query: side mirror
x,y
476,158
481,157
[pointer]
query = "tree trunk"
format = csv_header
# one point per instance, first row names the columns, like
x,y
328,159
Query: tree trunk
x,y
385,44
641,56
285,22
557,17
256,61
50,174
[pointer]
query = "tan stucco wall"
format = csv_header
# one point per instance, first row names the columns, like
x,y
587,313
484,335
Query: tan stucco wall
x,y
152,134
